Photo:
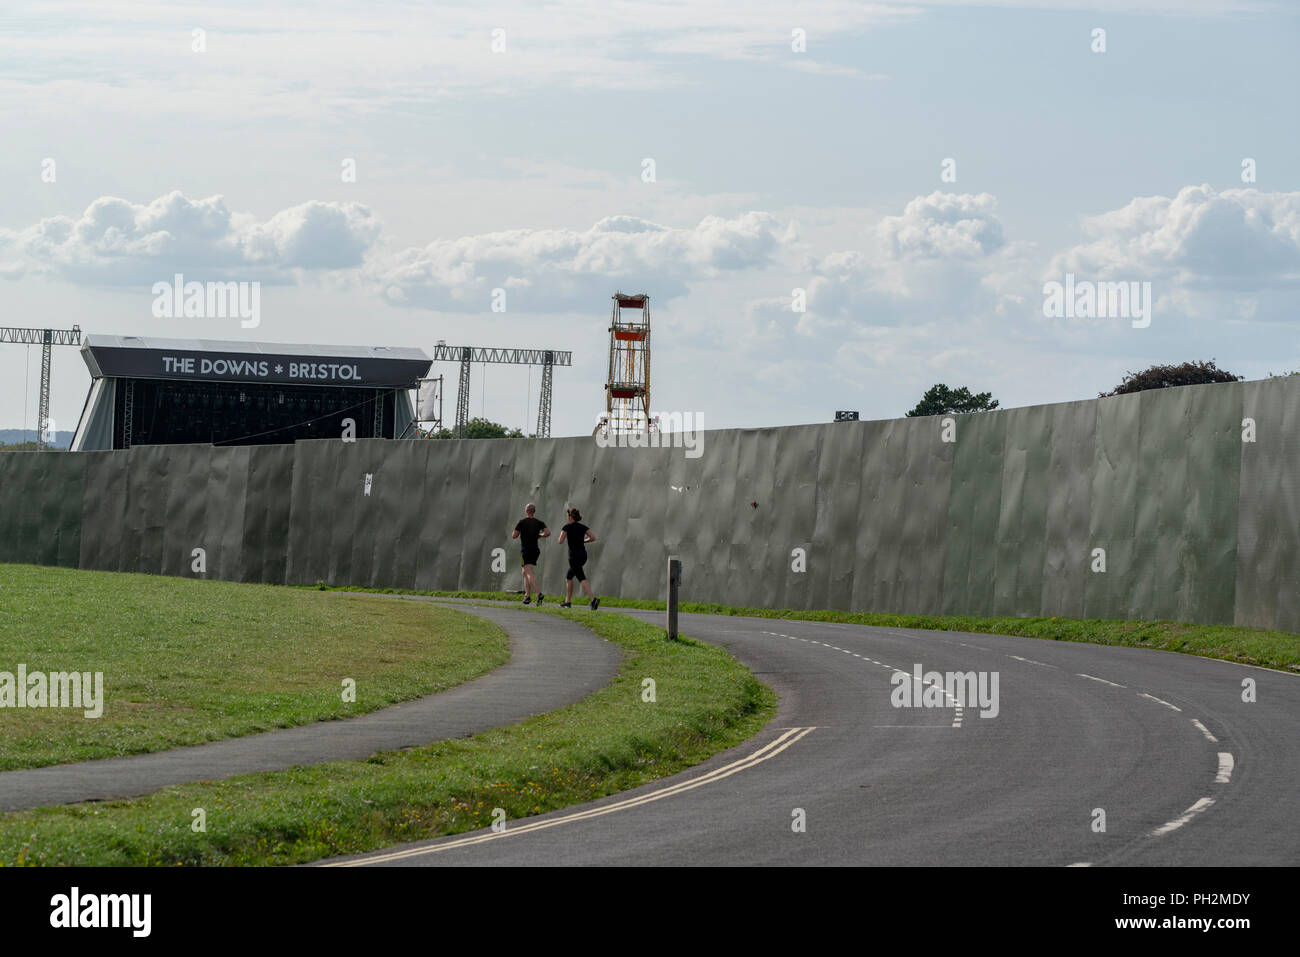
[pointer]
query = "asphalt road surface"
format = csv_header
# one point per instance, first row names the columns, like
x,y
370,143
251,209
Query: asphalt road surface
x,y
1184,770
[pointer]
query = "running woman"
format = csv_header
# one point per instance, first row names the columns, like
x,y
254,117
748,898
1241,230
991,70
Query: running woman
x,y
528,530
577,536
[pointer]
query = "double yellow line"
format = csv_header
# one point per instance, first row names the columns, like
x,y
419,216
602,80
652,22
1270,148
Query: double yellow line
x,y
769,750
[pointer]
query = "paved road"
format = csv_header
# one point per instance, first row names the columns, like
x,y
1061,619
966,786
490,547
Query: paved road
x,y
553,663
1079,727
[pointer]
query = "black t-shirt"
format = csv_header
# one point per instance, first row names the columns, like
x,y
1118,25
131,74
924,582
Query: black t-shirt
x,y
529,529
574,536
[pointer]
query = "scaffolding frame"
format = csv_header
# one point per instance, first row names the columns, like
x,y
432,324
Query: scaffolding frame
x,y
627,389
45,338
467,355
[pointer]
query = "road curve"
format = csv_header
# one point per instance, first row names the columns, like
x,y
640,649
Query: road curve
x,y
1081,729
552,663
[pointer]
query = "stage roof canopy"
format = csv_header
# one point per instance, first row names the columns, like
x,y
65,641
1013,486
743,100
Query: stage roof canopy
x,y
211,360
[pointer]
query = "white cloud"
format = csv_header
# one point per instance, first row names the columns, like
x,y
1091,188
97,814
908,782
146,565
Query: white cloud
x,y
381,54
1239,239
284,60
553,270
116,242
944,226
119,243
946,261
945,256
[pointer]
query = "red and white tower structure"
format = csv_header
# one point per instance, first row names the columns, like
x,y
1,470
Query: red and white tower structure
x,y
627,389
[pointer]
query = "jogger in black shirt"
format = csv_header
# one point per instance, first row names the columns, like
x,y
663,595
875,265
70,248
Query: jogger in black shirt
x,y
577,535
528,530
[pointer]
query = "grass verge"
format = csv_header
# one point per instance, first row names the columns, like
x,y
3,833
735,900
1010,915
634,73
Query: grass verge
x,y
1254,646
706,701
187,661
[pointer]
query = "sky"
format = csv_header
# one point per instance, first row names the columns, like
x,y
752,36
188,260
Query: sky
x,y
831,205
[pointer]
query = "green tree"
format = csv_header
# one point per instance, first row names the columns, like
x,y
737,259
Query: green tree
x,y
1169,376
22,447
480,429
940,400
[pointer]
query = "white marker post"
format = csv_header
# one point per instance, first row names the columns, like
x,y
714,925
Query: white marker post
x,y
674,585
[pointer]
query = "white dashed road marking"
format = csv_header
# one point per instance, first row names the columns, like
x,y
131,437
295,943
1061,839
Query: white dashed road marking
x,y
1102,680
1187,815
1226,762
1031,661
1143,694
958,712
1226,765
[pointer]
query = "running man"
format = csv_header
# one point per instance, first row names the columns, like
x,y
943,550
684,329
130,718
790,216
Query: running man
x,y
528,530
577,536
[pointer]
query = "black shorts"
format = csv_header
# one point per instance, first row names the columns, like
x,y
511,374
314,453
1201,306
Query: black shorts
x,y
575,568
530,556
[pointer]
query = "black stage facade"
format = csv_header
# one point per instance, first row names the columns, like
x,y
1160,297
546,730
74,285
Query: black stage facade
x,y
147,391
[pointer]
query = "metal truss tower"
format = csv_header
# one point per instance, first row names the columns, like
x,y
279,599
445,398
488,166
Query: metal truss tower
x,y
45,338
465,355
627,390
43,416
544,403
462,394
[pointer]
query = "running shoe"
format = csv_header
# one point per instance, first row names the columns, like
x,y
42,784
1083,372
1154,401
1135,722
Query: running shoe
x,y
595,603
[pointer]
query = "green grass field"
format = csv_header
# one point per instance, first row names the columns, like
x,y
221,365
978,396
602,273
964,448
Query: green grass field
x,y
188,661
611,740
1254,646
